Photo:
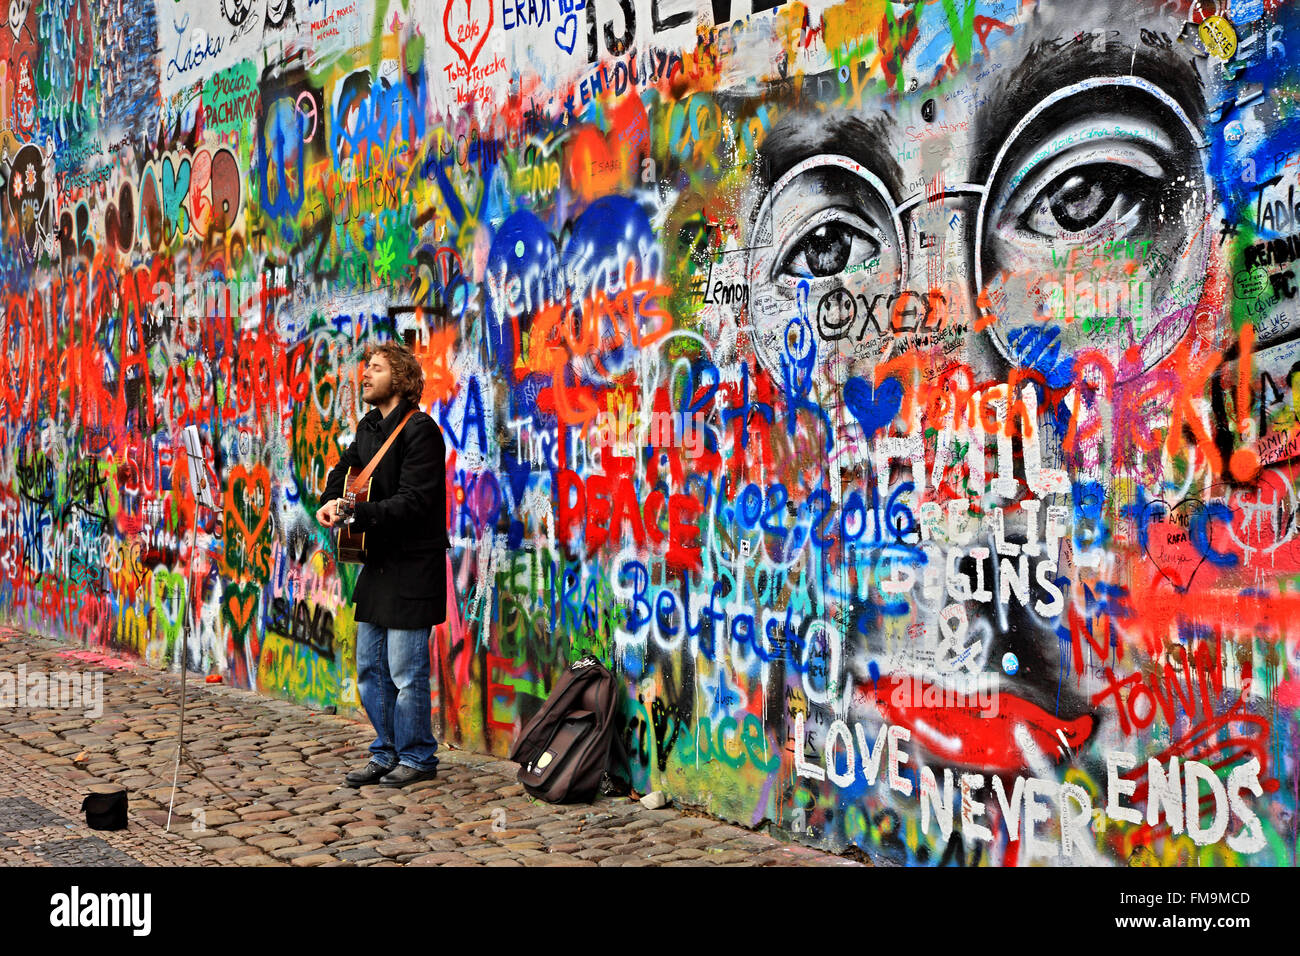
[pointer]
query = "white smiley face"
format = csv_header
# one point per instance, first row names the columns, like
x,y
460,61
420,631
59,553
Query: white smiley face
x,y
18,15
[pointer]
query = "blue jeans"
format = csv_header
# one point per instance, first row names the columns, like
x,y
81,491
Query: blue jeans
x,y
393,680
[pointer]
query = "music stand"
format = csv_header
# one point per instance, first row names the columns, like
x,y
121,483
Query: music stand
x,y
203,498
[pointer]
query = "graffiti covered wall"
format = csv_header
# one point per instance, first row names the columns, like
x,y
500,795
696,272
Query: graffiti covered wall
x,y
903,398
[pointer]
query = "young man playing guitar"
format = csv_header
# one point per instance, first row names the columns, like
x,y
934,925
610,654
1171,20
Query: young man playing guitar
x,y
399,531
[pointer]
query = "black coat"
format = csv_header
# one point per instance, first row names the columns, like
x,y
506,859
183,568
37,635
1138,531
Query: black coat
x,y
404,581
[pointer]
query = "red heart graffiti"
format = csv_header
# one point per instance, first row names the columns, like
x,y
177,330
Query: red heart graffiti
x,y
238,605
240,481
466,30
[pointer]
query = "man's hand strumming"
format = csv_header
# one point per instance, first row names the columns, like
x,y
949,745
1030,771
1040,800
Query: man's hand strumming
x,y
328,513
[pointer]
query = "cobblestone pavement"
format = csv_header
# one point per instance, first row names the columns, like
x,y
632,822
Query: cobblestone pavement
x,y
281,767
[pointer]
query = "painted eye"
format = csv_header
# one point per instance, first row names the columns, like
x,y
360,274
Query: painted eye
x,y
828,249
1106,195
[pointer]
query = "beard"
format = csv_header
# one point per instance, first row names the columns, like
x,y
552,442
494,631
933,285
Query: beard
x,y
379,396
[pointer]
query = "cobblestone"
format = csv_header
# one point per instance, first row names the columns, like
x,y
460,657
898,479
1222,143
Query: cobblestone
x,y
285,804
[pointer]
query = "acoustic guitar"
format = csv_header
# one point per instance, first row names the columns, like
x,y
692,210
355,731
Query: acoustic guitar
x,y
352,544
356,488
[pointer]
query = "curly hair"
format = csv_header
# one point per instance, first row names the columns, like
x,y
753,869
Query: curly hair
x,y
408,377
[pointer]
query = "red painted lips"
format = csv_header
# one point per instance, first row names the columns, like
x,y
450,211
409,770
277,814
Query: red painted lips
x,y
963,735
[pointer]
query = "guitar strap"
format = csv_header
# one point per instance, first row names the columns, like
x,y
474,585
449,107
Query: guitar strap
x,y
360,480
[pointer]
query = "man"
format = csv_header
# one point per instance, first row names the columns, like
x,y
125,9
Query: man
x,y
401,592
